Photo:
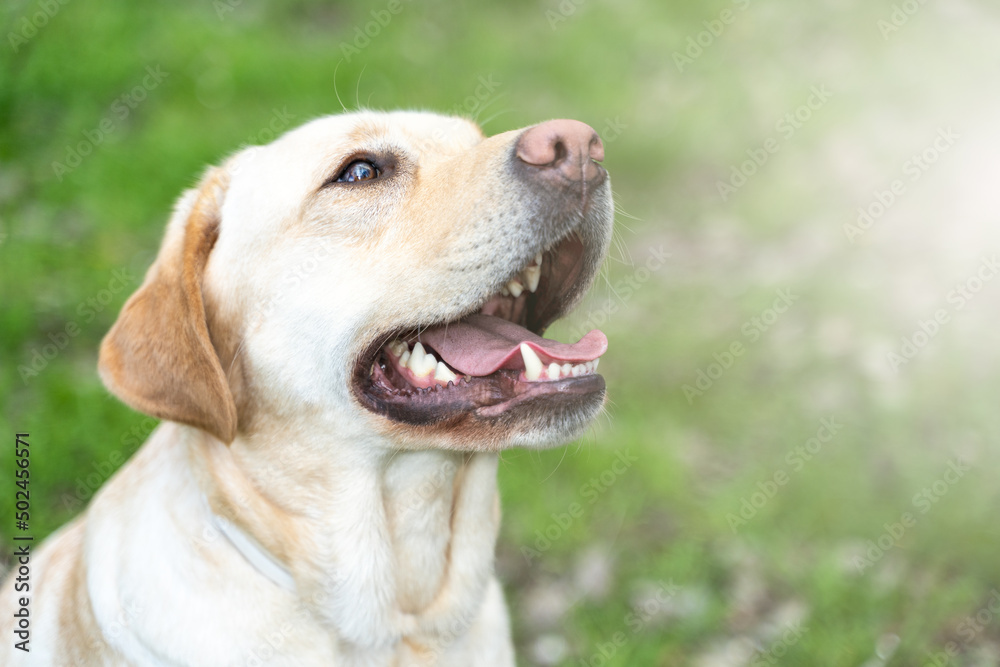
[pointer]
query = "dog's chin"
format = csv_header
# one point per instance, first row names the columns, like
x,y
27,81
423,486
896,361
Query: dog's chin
x,y
488,380
545,420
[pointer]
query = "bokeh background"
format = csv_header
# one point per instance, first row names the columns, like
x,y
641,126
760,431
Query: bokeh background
x,y
798,464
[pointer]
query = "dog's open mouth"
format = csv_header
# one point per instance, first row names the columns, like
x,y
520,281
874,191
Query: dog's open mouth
x,y
490,360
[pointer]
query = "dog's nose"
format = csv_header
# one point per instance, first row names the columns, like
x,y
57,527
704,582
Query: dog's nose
x,y
567,147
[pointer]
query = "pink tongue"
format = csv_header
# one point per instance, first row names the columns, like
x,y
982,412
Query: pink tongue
x,y
483,344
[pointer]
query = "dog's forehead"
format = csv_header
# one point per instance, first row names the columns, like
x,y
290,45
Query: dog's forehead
x,y
269,182
421,135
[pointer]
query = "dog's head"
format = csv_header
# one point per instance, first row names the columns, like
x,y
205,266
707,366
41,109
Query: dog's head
x,y
380,272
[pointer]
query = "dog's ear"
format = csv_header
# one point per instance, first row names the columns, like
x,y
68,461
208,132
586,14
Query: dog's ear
x,y
158,357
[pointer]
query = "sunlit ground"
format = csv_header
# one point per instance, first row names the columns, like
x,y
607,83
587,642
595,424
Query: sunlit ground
x,y
798,460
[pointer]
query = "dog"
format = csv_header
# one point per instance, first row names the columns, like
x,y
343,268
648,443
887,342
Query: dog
x,y
340,333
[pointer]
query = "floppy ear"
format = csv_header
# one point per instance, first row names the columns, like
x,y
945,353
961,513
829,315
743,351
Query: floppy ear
x,y
158,357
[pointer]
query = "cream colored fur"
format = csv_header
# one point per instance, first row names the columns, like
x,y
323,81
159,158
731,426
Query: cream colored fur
x,y
389,535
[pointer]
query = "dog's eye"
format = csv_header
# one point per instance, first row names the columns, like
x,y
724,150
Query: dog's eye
x,y
359,170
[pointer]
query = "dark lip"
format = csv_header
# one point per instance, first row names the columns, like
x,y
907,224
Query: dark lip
x,y
492,396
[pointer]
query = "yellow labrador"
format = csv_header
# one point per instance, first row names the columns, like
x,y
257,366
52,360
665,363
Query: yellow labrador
x,y
341,331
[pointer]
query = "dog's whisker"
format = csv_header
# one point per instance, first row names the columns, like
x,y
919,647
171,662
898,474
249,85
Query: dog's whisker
x,y
335,90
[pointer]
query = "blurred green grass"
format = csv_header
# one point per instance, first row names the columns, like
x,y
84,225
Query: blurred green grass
x,y
664,519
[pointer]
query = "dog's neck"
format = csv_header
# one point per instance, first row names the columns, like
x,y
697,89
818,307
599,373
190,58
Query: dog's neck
x,y
380,544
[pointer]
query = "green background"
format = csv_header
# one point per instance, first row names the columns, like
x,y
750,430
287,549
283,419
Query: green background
x,y
681,92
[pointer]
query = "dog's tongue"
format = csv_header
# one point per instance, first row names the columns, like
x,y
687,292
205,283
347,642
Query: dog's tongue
x,y
482,344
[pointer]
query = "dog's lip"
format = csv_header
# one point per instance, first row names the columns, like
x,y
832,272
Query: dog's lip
x,y
382,388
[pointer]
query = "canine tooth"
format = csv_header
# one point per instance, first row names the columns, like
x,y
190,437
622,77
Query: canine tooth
x,y
553,371
532,275
515,287
417,357
532,364
443,374
426,367
397,347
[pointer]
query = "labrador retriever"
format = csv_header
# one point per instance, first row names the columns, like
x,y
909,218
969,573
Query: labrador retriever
x,y
341,332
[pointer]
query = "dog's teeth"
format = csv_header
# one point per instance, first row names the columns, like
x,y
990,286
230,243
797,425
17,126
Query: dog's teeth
x,y
505,291
532,364
443,374
425,366
578,370
403,358
397,347
566,369
595,362
538,259
515,287
418,358
532,275
553,371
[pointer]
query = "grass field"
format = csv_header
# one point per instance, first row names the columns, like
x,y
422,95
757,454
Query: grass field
x,y
799,458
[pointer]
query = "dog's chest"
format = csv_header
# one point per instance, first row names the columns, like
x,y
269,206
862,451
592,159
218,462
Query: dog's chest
x,y
419,493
